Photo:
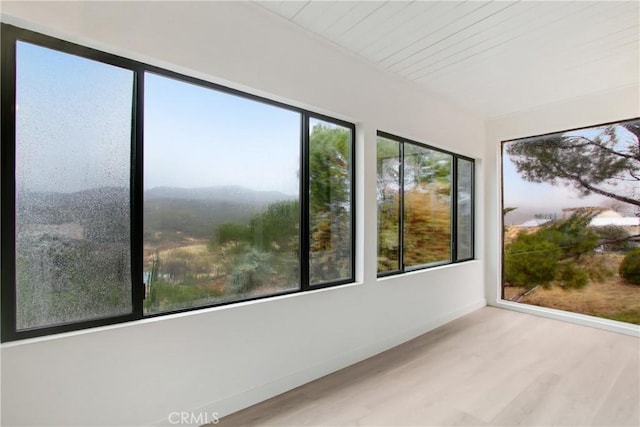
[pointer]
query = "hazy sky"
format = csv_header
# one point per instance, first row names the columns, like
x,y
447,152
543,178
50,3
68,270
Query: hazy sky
x,y
74,130
73,122
197,137
542,198
194,136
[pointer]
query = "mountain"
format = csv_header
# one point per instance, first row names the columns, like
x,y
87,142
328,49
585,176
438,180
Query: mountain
x,y
235,194
169,213
175,213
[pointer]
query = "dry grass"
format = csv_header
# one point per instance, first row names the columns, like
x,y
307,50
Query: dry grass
x,y
197,249
610,298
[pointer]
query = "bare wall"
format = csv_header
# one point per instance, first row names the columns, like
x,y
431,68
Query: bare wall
x,y
223,359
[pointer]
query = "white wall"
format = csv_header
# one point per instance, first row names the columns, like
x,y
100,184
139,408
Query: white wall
x,y
226,358
594,109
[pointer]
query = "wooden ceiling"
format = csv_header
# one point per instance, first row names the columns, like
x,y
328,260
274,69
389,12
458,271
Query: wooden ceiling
x,y
490,57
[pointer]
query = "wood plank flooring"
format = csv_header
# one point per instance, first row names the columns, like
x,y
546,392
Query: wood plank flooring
x,y
493,367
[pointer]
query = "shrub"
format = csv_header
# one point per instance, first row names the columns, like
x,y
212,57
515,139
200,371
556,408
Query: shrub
x,y
553,252
615,235
572,277
630,267
572,235
531,260
251,271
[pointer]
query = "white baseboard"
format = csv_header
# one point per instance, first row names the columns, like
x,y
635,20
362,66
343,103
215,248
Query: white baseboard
x,y
567,316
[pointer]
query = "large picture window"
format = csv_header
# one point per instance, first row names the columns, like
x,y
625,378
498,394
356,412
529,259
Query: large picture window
x,y
425,206
571,221
132,191
221,196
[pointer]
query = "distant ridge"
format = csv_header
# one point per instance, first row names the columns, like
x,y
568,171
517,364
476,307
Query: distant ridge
x,y
181,212
227,193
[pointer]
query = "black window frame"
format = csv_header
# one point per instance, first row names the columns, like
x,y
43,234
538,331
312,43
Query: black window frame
x,y
11,35
453,208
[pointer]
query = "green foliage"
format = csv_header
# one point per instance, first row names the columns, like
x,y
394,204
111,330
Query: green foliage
x,y
330,248
388,168
426,165
256,250
251,270
551,253
570,276
170,220
166,295
329,203
573,235
615,235
531,260
590,162
630,267
597,270
506,210
427,205
277,228
629,316
388,154
329,160
388,245
231,232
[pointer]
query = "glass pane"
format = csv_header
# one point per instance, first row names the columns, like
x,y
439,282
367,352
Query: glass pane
x,y
427,206
73,151
330,202
388,198
221,193
465,209
571,220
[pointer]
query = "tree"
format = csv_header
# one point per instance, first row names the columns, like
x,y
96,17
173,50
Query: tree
x,y
276,228
613,238
551,253
530,260
630,267
230,232
329,159
592,161
329,203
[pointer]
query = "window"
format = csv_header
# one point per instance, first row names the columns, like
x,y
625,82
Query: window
x,y
72,188
330,202
221,196
464,209
571,221
425,206
139,192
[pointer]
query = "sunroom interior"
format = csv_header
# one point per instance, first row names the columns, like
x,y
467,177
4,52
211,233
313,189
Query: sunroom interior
x,y
459,76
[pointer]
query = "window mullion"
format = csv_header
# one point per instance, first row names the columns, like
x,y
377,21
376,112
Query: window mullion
x,y
304,202
8,129
401,219
138,290
454,209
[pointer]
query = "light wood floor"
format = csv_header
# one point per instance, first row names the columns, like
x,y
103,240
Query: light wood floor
x,y
493,367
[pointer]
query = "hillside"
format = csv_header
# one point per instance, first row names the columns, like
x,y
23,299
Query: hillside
x,y
172,214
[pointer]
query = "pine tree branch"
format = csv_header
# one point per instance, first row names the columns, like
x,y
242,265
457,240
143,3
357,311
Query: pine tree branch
x,y
622,239
602,147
